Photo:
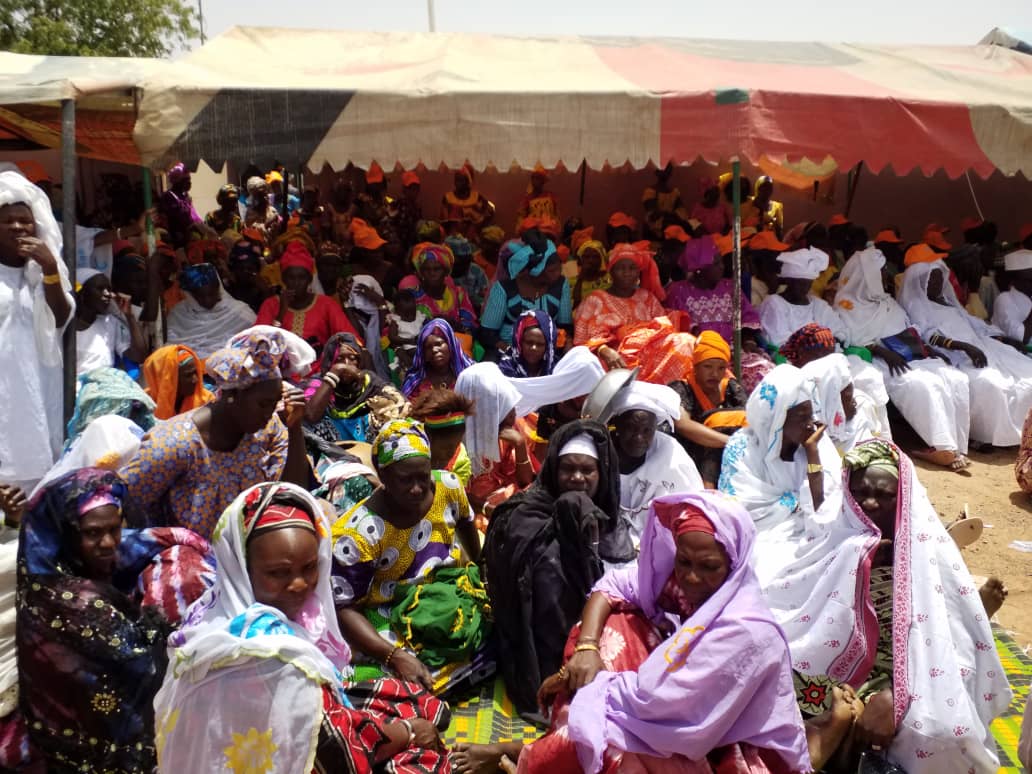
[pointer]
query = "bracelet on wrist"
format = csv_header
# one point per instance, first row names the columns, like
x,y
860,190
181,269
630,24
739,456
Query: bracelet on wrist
x,y
52,279
814,468
387,661
586,646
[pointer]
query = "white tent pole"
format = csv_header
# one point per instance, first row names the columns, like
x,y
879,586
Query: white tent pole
x,y
431,15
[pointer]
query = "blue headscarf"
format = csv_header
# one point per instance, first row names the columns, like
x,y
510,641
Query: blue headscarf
x,y
417,373
109,391
198,276
513,364
522,256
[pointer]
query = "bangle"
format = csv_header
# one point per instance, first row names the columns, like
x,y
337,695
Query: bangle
x,y
586,639
411,733
387,661
51,279
814,468
331,379
582,646
278,323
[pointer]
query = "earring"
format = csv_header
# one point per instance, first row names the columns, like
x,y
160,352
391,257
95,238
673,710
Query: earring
x,y
230,399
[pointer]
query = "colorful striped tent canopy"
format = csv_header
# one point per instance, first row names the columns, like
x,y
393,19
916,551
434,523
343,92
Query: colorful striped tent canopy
x,y
331,97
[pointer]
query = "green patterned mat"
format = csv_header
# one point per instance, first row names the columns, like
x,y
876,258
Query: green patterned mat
x,y
488,715
1007,727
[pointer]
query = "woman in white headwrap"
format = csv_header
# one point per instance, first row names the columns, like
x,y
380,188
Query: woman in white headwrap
x,y
781,466
499,450
929,392
849,421
783,314
1000,377
652,463
35,305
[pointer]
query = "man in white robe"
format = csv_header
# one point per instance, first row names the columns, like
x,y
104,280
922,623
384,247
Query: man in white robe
x,y
1012,312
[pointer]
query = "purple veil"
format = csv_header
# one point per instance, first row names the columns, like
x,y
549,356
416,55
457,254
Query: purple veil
x,y
723,677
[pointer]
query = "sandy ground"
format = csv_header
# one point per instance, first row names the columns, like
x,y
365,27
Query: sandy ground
x,y
989,489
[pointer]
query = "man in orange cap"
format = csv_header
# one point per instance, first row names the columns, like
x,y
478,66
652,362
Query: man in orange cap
x,y
763,252
406,210
890,243
935,236
374,204
538,203
670,249
621,229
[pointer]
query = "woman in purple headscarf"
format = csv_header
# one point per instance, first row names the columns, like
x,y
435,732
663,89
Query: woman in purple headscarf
x,y
708,298
177,208
678,665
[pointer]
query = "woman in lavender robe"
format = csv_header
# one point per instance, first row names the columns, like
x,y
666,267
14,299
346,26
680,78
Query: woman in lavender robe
x,y
678,665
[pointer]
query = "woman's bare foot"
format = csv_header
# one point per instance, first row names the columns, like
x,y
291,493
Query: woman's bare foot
x,y
993,594
484,758
826,732
946,458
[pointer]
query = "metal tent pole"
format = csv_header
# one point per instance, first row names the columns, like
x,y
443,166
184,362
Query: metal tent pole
x,y
736,263
68,241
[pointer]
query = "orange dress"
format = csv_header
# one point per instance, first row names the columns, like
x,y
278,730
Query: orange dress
x,y
646,335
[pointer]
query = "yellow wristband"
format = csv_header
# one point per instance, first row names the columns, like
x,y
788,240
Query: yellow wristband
x,y
814,468
586,646
51,279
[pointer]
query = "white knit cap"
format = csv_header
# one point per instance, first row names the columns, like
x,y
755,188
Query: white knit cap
x,y
580,444
1019,260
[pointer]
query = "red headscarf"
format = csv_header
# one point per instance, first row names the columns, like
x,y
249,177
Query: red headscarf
x,y
296,254
680,518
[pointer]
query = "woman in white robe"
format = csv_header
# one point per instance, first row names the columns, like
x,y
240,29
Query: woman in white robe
x,y
905,624
767,465
929,392
783,314
207,316
652,463
35,306
999,376
850,420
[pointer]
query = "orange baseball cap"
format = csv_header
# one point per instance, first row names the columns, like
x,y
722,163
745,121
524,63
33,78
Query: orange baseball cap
x,y
838,219
767,240
887,235
409,178
622,220
725,244
374,174
969,223
675,232
33,171
936,240
922,253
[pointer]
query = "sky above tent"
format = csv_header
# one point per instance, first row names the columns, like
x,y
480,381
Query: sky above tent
x,y
869,21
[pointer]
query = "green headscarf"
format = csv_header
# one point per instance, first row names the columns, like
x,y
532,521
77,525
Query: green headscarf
x,y
873,454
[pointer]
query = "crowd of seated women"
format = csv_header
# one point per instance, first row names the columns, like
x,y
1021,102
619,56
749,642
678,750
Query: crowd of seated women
x,y
287,540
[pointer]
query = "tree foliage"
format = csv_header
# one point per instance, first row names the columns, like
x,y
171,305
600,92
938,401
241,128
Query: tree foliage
x,y
151,28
